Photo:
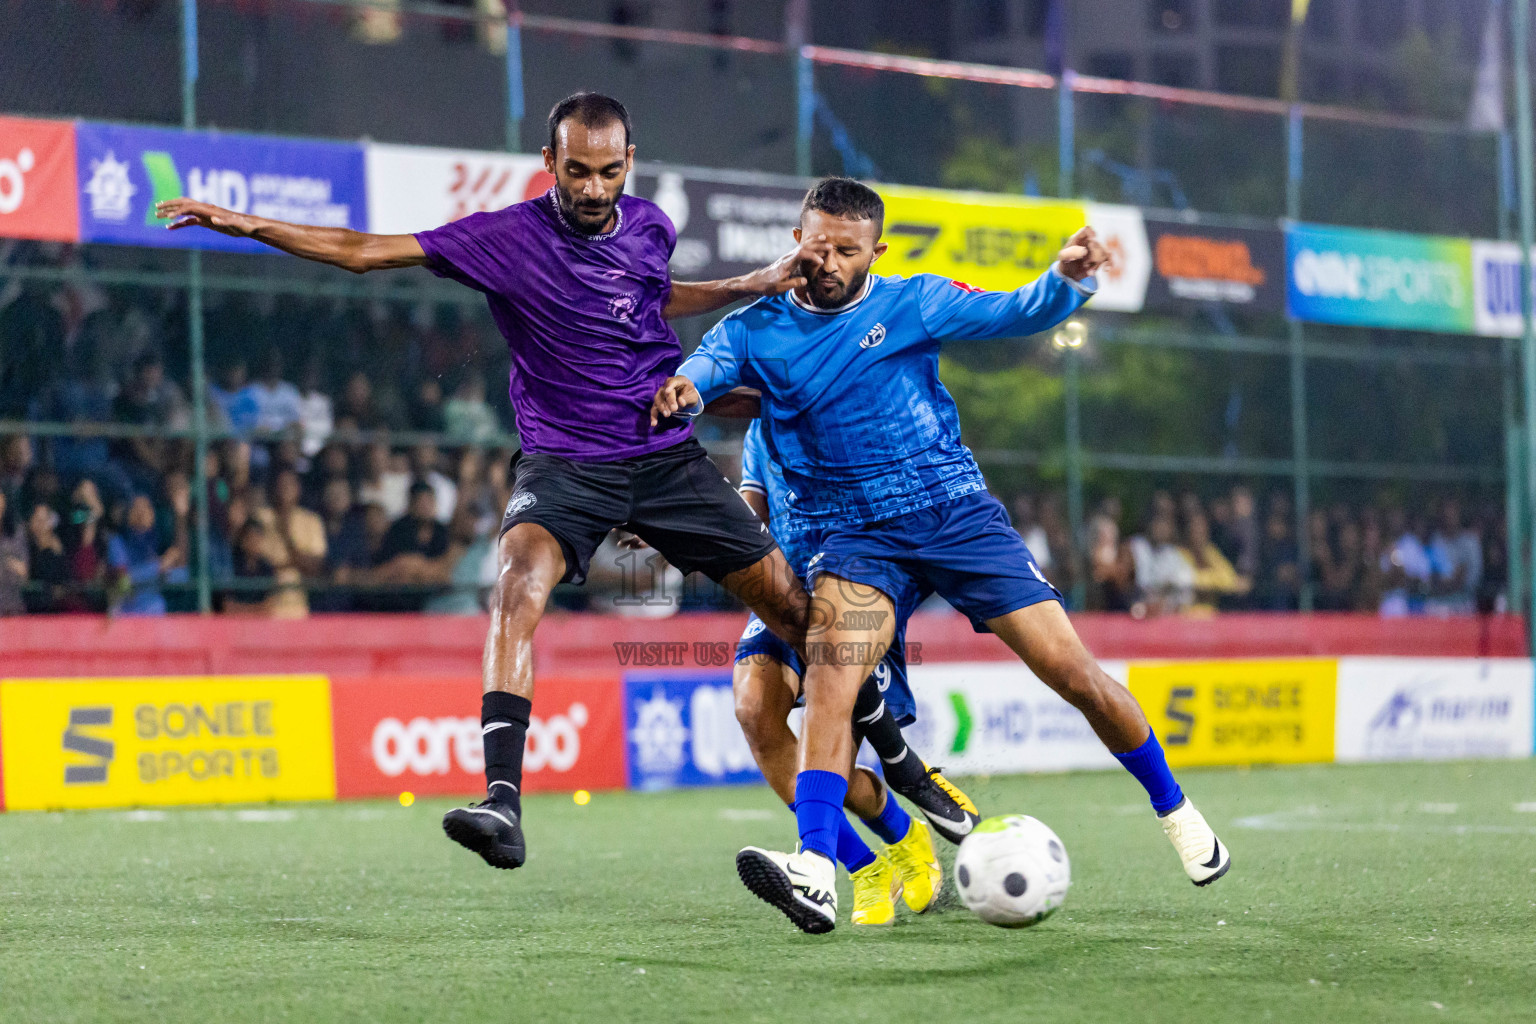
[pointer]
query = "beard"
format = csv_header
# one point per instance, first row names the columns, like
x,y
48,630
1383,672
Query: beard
x,y
837,298
585,215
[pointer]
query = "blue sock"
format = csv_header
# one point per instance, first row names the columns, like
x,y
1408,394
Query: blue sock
x,y
1150,767
893,822
852,851
818,808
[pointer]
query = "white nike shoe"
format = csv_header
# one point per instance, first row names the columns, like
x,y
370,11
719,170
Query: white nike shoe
x,y
1205,857
802,885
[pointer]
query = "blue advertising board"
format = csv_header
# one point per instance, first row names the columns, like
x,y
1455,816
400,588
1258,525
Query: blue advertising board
x,y
1379,278
123,171
680,729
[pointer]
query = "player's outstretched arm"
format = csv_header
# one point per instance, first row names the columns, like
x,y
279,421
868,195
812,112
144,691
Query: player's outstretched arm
x,y
956,312
356,251
694,298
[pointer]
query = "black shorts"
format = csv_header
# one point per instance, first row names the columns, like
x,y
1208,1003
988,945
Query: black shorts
x,y
675,500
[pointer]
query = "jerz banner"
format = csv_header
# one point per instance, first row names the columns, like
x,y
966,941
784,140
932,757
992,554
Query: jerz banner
x,y
1002,242
122,172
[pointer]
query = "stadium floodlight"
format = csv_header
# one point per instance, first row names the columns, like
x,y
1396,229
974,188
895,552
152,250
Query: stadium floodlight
x,y
1071,335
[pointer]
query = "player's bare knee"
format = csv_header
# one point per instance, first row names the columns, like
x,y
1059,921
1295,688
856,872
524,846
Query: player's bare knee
x,y
1080,682
520,592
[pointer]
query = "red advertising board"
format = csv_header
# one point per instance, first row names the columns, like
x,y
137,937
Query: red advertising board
x,y
422,734
37,180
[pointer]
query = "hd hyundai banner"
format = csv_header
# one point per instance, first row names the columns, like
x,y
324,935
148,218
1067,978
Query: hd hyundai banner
x,y
123,171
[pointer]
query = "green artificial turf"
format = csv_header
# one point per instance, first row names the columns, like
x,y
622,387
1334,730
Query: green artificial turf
x,y
1382,893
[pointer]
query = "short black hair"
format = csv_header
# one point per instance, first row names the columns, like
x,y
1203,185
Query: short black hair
x,y
844,197
592,109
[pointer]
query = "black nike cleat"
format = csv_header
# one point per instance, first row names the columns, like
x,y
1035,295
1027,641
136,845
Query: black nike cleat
x,y
948,810
491,829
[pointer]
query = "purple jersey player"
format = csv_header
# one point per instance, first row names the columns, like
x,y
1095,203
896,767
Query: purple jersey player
x,y
577,282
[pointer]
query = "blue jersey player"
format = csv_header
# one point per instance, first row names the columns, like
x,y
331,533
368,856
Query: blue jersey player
x,y
869,443
766,682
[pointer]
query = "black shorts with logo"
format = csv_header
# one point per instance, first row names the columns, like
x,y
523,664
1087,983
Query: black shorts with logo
x,y
675,500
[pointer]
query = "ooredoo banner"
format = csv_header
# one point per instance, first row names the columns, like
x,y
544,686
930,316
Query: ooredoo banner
x,y
1239,712
1433,709
414,188
37,180
123,171
162,741
988,718
422,734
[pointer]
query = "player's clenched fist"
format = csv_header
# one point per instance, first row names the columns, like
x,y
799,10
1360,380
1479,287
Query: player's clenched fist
x,y
677,393
186,213
1082,255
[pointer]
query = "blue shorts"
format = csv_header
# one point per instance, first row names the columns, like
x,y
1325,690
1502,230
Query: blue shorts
x,y
890,675
966,550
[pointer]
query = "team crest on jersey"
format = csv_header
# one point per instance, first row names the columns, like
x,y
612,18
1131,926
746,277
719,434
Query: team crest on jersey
x,y
754,627
621,306
875,336
520,502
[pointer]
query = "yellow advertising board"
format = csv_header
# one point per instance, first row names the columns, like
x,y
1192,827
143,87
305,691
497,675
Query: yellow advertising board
x,y
160,741
990,241
1240,712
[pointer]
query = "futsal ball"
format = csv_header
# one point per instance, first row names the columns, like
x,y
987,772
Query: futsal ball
x,y
1012,871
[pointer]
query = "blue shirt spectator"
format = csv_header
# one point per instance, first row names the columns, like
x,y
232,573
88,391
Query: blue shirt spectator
x,y
135,556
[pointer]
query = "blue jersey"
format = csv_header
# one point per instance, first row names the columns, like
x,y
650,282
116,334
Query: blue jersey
x,y
793,531
853,411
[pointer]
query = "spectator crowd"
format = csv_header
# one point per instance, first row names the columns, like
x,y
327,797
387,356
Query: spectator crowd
x,y
315,504
1199,555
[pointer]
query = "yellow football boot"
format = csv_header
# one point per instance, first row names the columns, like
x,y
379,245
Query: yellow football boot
x,y
917,868
875,887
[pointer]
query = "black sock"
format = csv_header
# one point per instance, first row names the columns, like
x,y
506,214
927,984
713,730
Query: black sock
x,y
504,726
873,717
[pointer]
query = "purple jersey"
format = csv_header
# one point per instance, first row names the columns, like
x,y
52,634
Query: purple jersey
x,y
582,319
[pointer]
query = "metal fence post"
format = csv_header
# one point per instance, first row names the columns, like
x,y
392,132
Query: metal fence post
x,y
515,100
1299,457
1066,136
805,110
1514,487
1521,17
1073,396
195,330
